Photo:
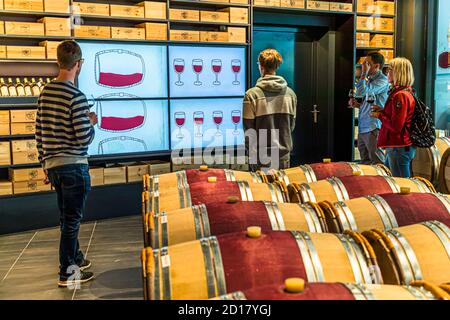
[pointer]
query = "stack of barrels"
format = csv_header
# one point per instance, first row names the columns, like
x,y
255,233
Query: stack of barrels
x,y
320,231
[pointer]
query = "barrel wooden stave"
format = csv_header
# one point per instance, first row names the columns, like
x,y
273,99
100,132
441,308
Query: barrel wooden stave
x,y
427,160
444,173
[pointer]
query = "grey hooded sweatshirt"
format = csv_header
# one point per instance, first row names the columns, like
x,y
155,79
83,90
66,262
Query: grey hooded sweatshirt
x,y
271,104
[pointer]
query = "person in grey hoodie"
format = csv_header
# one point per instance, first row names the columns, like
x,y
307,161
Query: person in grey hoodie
x,y
270,105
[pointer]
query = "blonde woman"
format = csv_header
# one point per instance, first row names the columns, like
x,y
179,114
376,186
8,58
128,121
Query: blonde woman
x,y
396,118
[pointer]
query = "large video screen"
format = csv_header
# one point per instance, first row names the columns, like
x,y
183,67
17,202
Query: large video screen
x,y
201,123
207,71
114,68
127,126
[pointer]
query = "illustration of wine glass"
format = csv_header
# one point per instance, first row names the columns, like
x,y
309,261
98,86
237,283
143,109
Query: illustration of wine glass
x,y
178,65
218,117
236,67
216,67
199,117
197,65
180,119
236,118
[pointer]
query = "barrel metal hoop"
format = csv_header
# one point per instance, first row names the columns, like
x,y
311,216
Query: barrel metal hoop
x,y
181,197
361,259
242,190
420,185
229,175
306,193
272,192
336,189
314,256
446,140
279,217
444,199
355,167
341,216
218,266
210,277
239,296
153,183
164,229
197,222
357,272
342,187
311,175
385,211
407,258
393,184
379,170
306,257
436,158
155,233
311,218
284,176
248,191
271,214
442,232
348,214
205,219
167,290
416,292
356,291
156,278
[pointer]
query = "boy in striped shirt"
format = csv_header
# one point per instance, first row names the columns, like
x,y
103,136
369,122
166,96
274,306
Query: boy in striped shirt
x,y
64,130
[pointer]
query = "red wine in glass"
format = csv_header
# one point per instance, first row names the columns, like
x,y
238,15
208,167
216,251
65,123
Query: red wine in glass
x,y
218,117
180,119
178,65
236,118
197,65
236,68
199,118
217,68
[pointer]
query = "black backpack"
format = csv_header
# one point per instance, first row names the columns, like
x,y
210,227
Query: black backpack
x,y
422,131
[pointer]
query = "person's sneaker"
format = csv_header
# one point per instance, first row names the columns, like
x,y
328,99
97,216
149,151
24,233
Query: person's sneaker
x,y
67,280
86,264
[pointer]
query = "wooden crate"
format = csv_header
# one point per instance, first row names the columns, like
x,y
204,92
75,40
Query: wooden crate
x,y
184,15
23,128
184,35
24,5
24,151
360,43
59,6
364,23
365,6
382,41
341,6
154,10
31,186
318,5
5,153
28,115
293,4
22,52
363,36
2,52
237,35
267,3
136,172
388,55
237,15
214,16
154,31
2,27
20,175
98,32
56,27
127,11
87,8
1,5
156,167
127,33
50,49
213,36
239,1
115,174
97,176
4,129
6,188
4,116
384,7
24,28
383,24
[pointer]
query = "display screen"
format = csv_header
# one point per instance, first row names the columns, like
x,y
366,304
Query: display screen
x,y
127,126
201,123
207,71
140,70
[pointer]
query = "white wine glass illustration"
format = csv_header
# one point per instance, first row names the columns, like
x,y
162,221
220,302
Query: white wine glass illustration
x,y
218,117
197,65
236,68
180,119
178,65
216,68
236,118
199,118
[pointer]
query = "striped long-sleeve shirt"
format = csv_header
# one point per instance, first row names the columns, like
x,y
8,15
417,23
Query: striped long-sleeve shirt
x,y
63,128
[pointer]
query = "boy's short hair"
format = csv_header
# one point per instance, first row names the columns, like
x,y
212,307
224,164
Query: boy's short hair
x,y
270,59
69,53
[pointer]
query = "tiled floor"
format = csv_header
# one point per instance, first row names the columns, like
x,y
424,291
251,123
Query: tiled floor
x,y
29,262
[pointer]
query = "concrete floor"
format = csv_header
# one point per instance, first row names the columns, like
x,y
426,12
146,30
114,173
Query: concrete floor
x,y
29,262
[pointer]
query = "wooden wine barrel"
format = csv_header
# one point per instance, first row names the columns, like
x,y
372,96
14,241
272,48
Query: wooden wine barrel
x,y
343,291
184,178
205,192
410,253
218,265
320,171
217,218
444,173
427,161
345,188
385,211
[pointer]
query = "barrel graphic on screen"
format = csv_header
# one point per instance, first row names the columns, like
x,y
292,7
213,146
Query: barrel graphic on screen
x,y
121,144
118,68
116,113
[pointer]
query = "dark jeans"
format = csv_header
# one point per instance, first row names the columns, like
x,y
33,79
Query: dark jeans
x,y
72,184
399,161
